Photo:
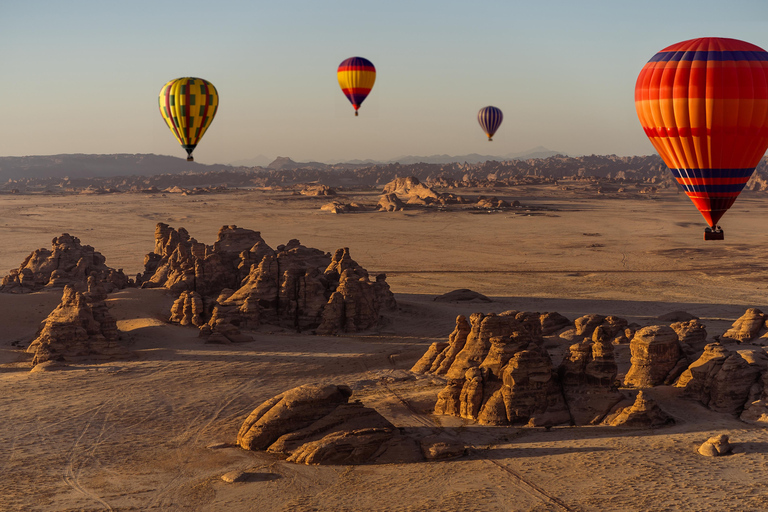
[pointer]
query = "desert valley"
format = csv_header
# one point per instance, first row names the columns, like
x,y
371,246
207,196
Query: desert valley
x,y
492,339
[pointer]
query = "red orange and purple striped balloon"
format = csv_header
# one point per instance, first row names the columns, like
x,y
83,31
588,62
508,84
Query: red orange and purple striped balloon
x,y
703,104
356,76
490,119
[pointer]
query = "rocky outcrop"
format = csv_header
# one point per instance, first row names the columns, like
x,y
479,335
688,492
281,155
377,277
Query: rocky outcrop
x,y
419,194
317,189
80,328
499,374
390,203
188,309
552,322
584,328
756,408
691,333
68,262
341,207
656,357
746,328
316,424
716,446
462,295
588,378
181,263
643,413
240,281
491,202
723,380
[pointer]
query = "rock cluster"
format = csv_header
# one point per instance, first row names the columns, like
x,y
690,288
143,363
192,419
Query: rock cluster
x,y
68,262
341,207
316,424
79,328
724,380
656,357
462,295
586,326
317,189
746,327
643,413
232,284
498,373
417,193
756,408
716,446
390,203
179,262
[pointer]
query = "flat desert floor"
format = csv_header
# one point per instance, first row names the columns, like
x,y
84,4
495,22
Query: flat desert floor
x,y
138,434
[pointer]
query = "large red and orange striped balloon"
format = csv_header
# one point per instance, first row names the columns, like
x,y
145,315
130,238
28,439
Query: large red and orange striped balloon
x,y
703,104
356,76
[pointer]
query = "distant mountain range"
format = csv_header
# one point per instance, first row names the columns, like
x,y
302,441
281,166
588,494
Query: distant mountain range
x,y
472,158
92,166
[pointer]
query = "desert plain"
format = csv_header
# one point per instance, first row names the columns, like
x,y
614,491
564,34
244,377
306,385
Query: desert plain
x,y
139,433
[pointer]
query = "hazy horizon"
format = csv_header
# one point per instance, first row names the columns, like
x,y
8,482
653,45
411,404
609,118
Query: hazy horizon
x,y
84,78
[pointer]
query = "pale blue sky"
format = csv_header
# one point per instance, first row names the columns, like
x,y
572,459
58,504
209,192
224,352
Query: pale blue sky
x,y
82,76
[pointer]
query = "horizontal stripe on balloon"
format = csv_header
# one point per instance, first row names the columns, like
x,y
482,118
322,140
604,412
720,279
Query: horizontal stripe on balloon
x,y
662,132
356,67
714,189
357,90
712,173
705,55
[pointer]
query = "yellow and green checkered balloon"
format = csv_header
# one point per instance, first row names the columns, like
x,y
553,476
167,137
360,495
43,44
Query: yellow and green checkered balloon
x,y
188,106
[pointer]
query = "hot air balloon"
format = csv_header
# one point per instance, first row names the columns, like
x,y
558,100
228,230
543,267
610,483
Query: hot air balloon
x,y
490,119
356,76
703,103
188,106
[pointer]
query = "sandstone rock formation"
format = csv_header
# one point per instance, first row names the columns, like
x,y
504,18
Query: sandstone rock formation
x,y
756,408
79,328
68,262
242,282
723,380
584,328
390,203
341,207
746,327
716,446
491,202
462,295
498,373
188,309
418,193
587,376
551,322
643,413
656,357
316,424
317,189
181,263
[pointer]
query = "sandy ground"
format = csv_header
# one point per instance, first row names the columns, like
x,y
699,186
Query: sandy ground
x,y
136,434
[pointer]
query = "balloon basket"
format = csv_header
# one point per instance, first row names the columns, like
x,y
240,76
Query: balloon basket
x,y
715,233
190,159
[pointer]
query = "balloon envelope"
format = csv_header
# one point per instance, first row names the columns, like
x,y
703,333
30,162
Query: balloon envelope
x,y
703,103
188,106
490,119
356,76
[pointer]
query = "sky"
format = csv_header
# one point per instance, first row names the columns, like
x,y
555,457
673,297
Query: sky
x,y
83,76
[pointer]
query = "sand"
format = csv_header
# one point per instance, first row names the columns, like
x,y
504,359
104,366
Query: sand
x,y
146,433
